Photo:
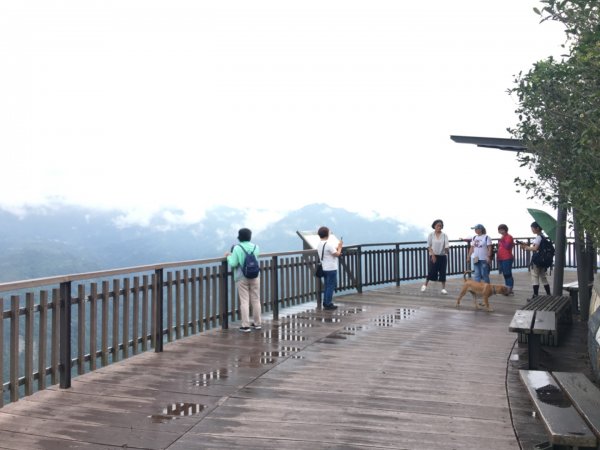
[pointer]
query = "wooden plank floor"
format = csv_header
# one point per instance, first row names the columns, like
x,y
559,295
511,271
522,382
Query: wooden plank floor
x,y
392,368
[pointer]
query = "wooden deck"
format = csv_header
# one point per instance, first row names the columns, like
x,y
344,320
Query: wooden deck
x,y
391,368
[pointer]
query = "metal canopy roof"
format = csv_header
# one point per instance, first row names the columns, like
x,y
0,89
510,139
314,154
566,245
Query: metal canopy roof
x,y
513,145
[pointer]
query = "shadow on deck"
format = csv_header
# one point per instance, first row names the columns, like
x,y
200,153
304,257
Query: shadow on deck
x,y
391,368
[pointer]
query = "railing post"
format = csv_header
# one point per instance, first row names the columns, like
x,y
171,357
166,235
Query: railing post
x,y
2,347
469,267
397,264
224,294
14,348
359,275
65,335
275,287
528,256
158,326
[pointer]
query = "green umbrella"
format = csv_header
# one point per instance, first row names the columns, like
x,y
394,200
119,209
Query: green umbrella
x,y
546,221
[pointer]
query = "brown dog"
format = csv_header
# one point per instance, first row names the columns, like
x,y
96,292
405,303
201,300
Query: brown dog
x,y
483,289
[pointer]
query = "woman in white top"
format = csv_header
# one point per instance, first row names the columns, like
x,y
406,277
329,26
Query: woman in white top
x,y
437,247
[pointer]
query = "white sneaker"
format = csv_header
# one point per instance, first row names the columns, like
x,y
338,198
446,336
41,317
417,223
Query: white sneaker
x,y
444,291
423,288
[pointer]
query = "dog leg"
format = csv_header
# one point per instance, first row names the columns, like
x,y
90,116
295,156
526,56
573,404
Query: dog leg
x,y
475,300
486,301
461,295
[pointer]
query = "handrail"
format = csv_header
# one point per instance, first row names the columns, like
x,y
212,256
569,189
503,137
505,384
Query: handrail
x,y
63,326
37,282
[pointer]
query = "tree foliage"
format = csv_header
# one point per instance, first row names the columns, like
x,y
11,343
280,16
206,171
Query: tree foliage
x,y
559,116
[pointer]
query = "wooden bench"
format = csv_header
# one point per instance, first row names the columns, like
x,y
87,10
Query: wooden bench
x,y
573,290
568,405
584,395
560,306
533,325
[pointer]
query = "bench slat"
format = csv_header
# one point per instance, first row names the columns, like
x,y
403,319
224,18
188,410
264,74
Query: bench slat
x,y
522,321
561,305
573,290
545,322
573,284
563,424
584,394
549,303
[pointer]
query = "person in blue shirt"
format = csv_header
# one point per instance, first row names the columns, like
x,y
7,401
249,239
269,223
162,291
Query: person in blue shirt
x,y
248,288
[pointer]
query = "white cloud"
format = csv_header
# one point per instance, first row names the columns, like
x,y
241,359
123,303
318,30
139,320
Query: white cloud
x,y
149,105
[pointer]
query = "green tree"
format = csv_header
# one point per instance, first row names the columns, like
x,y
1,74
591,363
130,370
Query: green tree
x,y
559,116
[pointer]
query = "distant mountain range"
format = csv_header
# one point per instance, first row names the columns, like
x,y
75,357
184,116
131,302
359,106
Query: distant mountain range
x,y
64,240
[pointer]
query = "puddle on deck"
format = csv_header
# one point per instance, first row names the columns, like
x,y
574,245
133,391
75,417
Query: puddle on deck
x,y
352,329
204,379
329,320
177,411
389,320
253,361
332,338
290,328
292,325
248,361
276,354
280,335
345,312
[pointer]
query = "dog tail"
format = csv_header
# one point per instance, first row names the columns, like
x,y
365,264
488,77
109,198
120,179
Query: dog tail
x,y
465,273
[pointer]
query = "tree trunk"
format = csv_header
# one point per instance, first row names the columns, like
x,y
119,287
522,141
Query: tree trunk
x,y
561,248
582,268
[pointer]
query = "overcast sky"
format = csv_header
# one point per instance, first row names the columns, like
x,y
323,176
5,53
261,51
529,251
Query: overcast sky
x,y
142,105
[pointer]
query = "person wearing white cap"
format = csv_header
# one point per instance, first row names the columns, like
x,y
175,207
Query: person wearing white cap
x,y
481,254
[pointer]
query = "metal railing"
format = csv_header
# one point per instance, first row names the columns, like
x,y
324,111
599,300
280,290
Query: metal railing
x,y
58,327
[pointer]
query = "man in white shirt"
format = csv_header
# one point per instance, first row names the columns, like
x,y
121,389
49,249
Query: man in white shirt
x,y
331,252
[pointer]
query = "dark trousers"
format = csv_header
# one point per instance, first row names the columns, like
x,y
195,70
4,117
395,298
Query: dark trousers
x,y
505,267
437,269
330,278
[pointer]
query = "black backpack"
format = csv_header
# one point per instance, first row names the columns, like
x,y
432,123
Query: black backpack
x,y
544,256
250,268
